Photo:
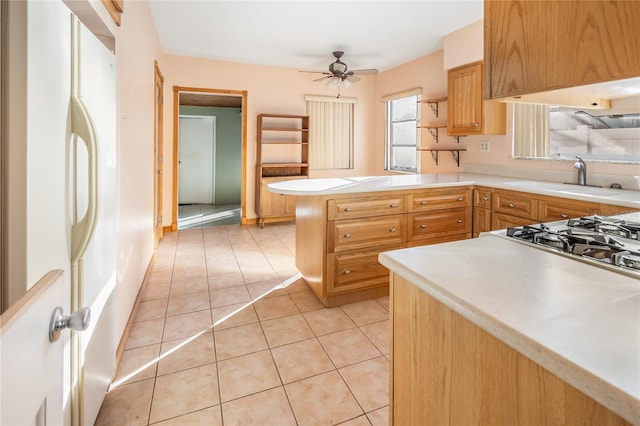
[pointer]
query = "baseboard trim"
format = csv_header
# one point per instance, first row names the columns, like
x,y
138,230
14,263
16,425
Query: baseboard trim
x,y
167,229
132,315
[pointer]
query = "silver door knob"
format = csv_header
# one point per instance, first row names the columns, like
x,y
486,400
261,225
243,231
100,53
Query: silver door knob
x,y
77,321
422,225
347,235
460,198
392,229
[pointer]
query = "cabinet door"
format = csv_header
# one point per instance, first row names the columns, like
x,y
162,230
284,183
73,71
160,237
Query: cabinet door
x,y
271,204
481,220
464,105
537,46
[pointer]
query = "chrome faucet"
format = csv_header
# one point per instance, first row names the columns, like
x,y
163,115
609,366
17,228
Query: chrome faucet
x,y
582,171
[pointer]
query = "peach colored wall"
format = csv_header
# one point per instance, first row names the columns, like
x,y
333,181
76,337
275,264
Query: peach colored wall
x,y
426,72
270,90
137,46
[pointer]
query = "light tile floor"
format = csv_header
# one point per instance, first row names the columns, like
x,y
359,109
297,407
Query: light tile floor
x,y
203,215
227,333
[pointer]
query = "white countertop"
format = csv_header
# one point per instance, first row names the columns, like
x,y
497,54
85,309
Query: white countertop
x,y
579,321
349,185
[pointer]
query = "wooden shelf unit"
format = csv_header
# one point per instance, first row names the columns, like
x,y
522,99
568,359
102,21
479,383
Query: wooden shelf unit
x,y
282,153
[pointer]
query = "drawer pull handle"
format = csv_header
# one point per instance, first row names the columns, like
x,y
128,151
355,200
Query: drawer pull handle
x,y
393,229
347,271
512,205
422,225
460,198
423,202
347,235
485,198
347,209
393,206
564,216
459,220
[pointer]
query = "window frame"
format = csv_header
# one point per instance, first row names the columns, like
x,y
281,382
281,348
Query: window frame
x,y
389,130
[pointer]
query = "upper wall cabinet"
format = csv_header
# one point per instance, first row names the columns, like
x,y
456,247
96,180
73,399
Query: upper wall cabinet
x,y
538,46
467,112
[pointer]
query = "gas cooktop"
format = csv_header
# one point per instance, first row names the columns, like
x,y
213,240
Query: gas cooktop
x,y
610,242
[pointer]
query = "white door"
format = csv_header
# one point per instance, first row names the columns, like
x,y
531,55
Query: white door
x,y
31,388
196,155
70,218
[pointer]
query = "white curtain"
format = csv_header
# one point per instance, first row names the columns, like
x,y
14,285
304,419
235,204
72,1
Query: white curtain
x,y
330,132
531,130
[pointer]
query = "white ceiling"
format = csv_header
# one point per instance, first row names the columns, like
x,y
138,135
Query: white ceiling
x,y
302,34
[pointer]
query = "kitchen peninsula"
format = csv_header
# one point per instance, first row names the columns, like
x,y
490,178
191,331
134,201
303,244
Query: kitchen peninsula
x,y
491,331
343,224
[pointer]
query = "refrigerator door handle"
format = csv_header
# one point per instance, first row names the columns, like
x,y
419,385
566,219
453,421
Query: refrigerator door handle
x,y
82,125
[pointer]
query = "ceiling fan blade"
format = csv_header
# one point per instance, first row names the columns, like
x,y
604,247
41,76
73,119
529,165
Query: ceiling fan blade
x,y
365,71
322,78
352,78
316,72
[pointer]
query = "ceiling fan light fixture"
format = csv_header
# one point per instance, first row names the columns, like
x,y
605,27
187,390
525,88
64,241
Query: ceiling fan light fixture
x,y
333,82
338,67
346,83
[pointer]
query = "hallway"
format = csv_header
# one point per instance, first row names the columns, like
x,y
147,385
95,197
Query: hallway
x,y
228,333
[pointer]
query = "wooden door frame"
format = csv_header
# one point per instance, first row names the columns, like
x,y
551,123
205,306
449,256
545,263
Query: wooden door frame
x,y
176,118
4,248
158,163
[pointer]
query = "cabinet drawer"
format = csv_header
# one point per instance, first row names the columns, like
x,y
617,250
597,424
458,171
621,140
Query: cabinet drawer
x,y
501,221
482,198
554,210
515,204
440,223
350,208
438,199
356,270
365,233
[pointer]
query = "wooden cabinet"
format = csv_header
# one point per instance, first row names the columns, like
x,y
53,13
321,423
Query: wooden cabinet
x,y
439,215
276,205
445,370
467,112
538,46
609,210
353,234
551,210
512,208
481,210
282,150
339,237
352,208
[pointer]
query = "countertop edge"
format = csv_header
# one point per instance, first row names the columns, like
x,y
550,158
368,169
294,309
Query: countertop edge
x,y
496,182
610,396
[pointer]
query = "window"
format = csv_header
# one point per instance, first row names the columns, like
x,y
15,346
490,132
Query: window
x,y
402,112
330,132
612,135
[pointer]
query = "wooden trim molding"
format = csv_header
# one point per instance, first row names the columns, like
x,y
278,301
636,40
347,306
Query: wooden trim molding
x,y
132,315
115,9
176,120
4,249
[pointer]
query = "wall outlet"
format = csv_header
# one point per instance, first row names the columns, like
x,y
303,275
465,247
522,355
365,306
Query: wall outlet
x,y
485,146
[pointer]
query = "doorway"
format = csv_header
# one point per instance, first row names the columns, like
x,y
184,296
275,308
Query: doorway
x,y
209,157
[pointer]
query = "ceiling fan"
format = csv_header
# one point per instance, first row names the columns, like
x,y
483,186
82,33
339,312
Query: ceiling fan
x,y
339,73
